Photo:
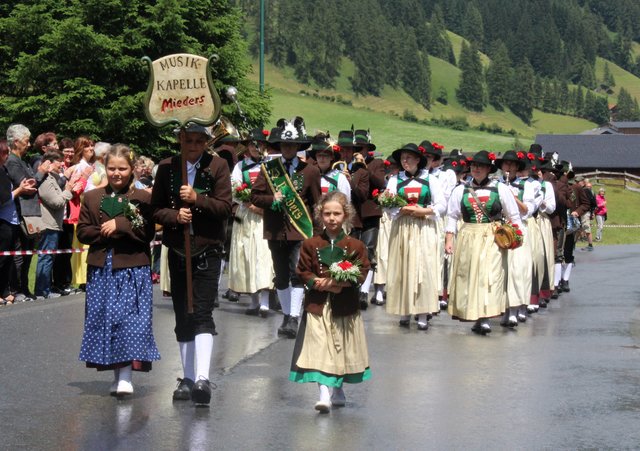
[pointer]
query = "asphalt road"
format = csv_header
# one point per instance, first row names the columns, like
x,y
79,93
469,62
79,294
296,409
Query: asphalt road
x,y
567,379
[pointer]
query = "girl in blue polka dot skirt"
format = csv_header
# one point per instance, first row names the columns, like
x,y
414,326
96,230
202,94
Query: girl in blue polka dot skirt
x,y
116,221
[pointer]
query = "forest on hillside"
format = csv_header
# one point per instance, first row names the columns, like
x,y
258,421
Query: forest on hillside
x,y
542,52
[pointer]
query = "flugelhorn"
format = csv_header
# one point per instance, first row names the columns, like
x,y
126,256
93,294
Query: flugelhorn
x,y
222,127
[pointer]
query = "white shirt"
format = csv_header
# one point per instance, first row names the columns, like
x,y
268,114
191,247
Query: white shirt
x,y
343,184
509,207
548,204
438,203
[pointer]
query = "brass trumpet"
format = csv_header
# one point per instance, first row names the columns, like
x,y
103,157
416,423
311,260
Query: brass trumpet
x,y
340,166
223,127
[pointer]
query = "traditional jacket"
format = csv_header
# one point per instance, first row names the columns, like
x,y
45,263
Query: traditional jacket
x,y
316,256
213,201
130,245
360,192
277,226
377,180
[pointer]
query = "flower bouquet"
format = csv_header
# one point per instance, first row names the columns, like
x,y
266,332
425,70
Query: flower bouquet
x,y
242,192
387,199
345,271
132,213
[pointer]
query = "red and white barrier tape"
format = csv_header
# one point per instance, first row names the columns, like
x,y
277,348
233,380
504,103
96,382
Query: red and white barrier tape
x,y
58,251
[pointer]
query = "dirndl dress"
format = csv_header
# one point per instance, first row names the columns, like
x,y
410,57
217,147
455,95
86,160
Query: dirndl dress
x,y
536,247
477,284
549,255
330,350
78,260
250,263
519,267
382,247
413,274
118,318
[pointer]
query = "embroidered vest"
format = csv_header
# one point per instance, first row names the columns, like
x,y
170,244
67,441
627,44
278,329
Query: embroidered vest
x,y
250,172
415,194
329,182
491,202
519,184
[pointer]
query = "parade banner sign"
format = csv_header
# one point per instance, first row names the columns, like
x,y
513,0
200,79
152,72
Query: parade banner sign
x,y
181,90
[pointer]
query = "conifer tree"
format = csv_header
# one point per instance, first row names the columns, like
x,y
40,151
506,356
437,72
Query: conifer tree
x,y
499,76
522,95
470,92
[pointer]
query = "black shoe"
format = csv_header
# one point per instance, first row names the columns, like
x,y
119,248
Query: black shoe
x,y
291,329
282,328
232,296
201,392
183,392
565,286
555,294
423,326
542,303
252,311
404,323
363,301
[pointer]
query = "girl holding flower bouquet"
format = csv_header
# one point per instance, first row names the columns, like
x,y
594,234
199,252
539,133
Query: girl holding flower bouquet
x,y
250,265
413,274
331,347
116,222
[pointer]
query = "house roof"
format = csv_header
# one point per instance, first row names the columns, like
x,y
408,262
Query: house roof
x,y
594,151
606,130
627,124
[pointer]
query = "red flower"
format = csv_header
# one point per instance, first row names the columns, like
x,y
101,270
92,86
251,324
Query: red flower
x,y
540,158
520,155
336,148
422,149
454,163
518,232
515,226
531,156
469,158
265,133
437,146
492,156
375,192
371,154
345,265
387,163
463,163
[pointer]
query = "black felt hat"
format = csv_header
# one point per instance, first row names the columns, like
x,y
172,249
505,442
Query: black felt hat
x,y
347,138
484,157
512,155
415,149
322,143
432,148
362,138
289,132
259,135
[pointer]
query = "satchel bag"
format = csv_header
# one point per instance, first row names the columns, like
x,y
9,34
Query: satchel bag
x,y
31,226
504,235
573,224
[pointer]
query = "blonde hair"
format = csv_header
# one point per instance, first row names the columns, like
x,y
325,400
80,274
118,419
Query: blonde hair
x,y
120,151
335,196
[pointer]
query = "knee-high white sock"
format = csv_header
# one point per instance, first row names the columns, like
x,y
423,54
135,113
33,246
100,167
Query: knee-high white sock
x,y
564,269
285,300
325,395
380,292
264,299
367,282
254,300
567,272
557,274
297,293
204,348
187,356
125,374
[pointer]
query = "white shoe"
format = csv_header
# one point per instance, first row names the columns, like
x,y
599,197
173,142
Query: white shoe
x,y
338,397
532,309
124,388
322,406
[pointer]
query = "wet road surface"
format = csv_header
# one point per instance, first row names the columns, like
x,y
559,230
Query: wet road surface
x,y
567,379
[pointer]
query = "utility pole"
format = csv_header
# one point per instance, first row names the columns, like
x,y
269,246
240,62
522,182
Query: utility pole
x,y
261,46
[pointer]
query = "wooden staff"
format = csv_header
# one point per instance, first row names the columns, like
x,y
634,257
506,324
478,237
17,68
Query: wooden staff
x,y
187,232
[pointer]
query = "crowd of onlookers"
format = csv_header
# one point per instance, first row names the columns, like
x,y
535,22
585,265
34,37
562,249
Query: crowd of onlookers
x,y
41,188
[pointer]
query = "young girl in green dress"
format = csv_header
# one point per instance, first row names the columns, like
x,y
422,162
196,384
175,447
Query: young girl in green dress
x,y
331,347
